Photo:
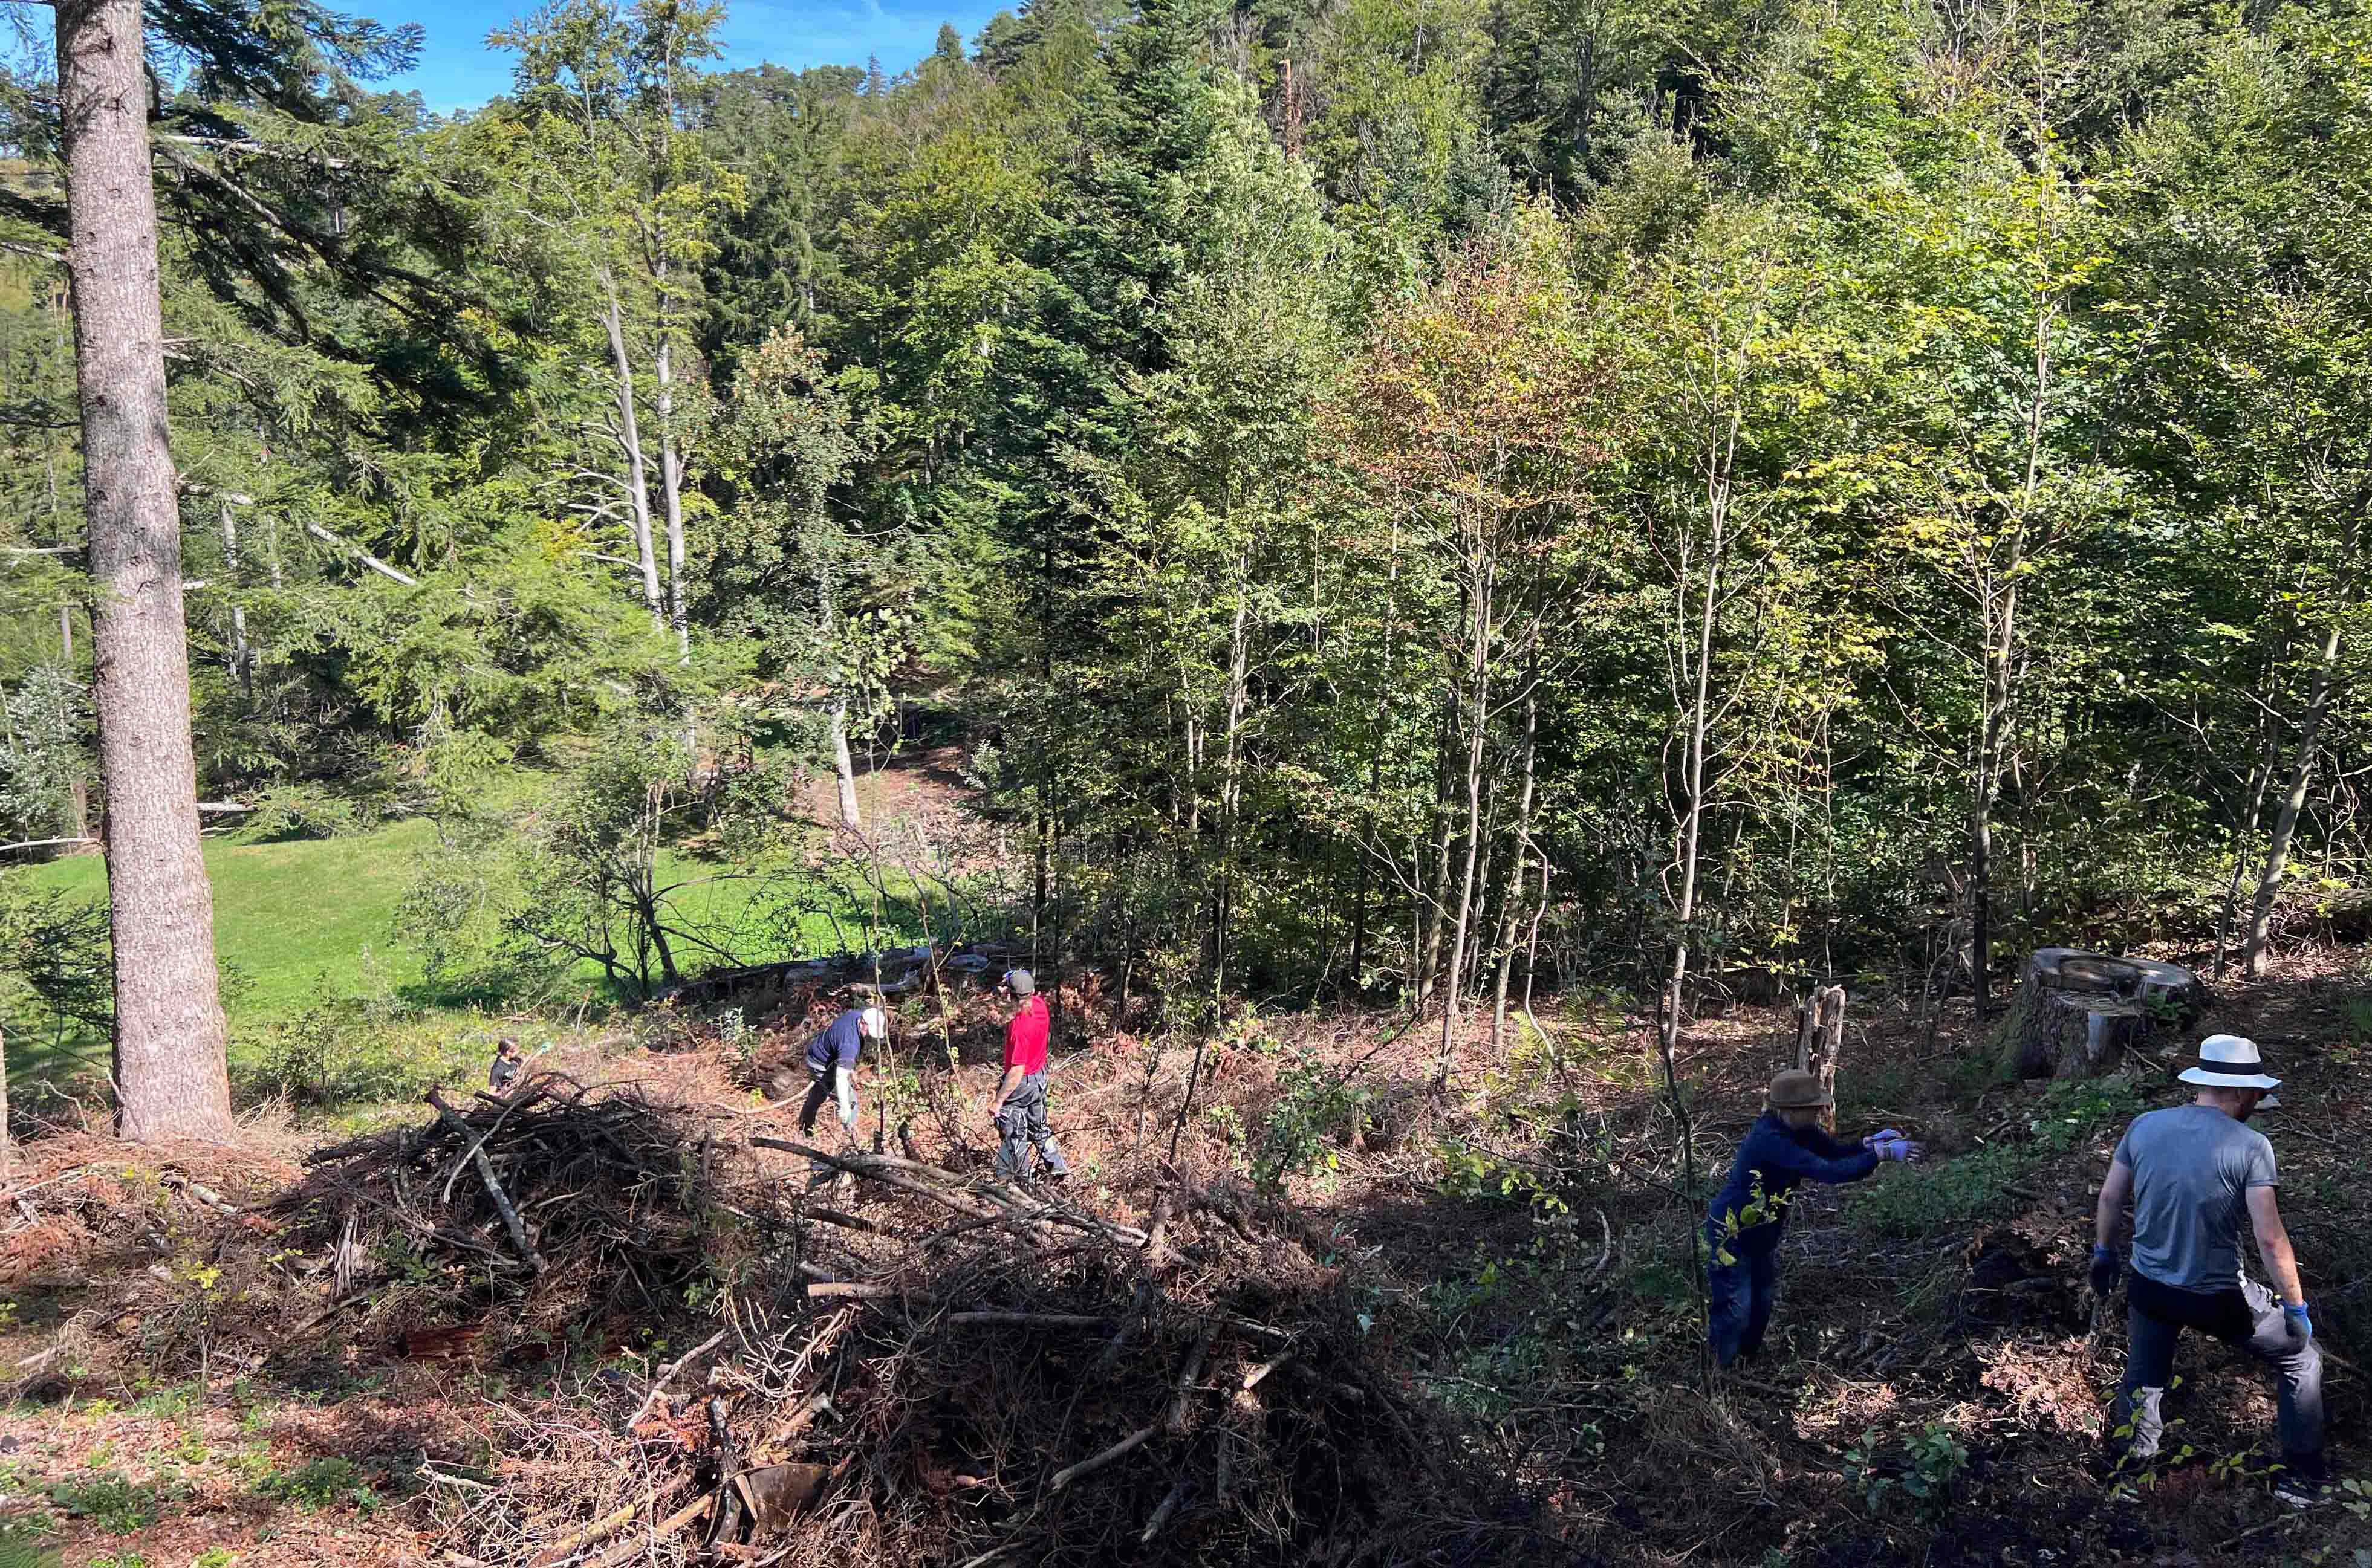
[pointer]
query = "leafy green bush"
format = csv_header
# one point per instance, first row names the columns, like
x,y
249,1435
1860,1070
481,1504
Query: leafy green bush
x,y
112,1501
1314,1104
1921,1478
321,1484
350,1049
308,811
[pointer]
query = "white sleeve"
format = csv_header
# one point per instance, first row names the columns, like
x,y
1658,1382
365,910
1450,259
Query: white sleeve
x,y
845,1085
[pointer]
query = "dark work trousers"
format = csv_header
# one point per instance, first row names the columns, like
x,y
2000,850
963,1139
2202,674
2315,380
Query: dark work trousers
x,y
2247,1318
818,1095
1740,1296
1023,1122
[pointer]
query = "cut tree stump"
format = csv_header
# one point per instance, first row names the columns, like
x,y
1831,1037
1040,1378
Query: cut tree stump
x,y
2077,1013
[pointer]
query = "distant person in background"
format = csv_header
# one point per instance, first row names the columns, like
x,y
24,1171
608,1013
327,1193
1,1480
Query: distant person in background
x,y
1018,1107
2194,1173
1783,1148
507,1065
832,1065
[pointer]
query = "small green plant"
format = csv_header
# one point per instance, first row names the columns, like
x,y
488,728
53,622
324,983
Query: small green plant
x,y
1922,1479
111,1501
172,1402
1477,1174
2354,1496
319,1484
1314,1103
215,1557
118,1560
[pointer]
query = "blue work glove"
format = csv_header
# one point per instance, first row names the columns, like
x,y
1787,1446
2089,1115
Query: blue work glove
x,y
1882,1135
2300,1322
1896,1148
2106,1267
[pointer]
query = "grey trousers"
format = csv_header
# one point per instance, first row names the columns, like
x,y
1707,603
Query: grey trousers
x,y
1023,1124
2248,1318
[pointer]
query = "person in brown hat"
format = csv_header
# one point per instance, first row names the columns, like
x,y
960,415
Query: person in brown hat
x,y
1783,1148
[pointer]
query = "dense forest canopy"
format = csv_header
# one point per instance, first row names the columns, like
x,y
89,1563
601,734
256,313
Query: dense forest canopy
x,y
1400,495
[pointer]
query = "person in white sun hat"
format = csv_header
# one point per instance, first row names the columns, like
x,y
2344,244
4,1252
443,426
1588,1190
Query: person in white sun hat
x,y
2192,1173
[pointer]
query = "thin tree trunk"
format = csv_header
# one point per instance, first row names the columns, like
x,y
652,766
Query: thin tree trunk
x,y
1376,759
170,1076
242,661
1518,877
1692,763
630,439
1432,905
1477,723
844,766
671,495
78,787
2244,832
2255,955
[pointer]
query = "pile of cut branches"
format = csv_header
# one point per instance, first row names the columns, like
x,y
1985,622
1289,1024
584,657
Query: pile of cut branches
x,y
602,1201
937,1370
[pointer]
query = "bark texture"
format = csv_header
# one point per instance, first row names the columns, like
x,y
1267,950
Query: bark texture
x,y
170,1078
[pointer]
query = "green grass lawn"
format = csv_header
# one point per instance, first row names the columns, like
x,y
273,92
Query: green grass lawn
x,y
304,922
287,913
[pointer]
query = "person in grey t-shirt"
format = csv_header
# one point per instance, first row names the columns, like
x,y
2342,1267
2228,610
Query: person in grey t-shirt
x,y
2194,1174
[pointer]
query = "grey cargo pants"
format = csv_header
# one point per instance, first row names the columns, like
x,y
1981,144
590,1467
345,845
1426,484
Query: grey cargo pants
x,y
1023,1124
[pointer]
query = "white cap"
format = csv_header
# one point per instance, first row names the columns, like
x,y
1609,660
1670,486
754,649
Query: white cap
x,y
875,1023
2228,1062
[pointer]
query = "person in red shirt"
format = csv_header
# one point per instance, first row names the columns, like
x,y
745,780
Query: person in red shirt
x,y
1018,1107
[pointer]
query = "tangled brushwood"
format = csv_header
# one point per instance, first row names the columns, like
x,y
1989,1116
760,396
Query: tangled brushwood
x,y
855,1357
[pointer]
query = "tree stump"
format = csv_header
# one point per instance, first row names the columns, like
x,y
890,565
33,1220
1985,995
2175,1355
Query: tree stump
x,y
1820,1036
2077,1014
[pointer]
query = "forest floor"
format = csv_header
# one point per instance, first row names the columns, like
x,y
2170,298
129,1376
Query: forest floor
x,y
201,1374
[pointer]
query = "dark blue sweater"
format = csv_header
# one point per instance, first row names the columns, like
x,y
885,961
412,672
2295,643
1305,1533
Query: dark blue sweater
x,y
839,1043
1750,1214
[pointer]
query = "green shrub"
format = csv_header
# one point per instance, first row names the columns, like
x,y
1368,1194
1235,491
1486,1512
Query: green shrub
x,y
1314,1104
319,1484
1920,1479
111,1502
308,811
350,1051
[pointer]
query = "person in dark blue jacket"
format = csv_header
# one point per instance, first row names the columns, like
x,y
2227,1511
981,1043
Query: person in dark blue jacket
x,y
1783,1148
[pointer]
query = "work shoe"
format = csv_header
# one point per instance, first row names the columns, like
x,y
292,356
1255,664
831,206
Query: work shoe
x,y
2300,1491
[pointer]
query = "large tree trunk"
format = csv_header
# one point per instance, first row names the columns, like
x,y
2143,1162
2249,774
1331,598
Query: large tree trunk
x,y
170,1076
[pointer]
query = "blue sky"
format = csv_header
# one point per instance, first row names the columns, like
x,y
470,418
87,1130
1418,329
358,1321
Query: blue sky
x,y
458,71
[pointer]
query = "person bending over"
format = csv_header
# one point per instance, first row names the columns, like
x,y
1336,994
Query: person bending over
x,y
832,1065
